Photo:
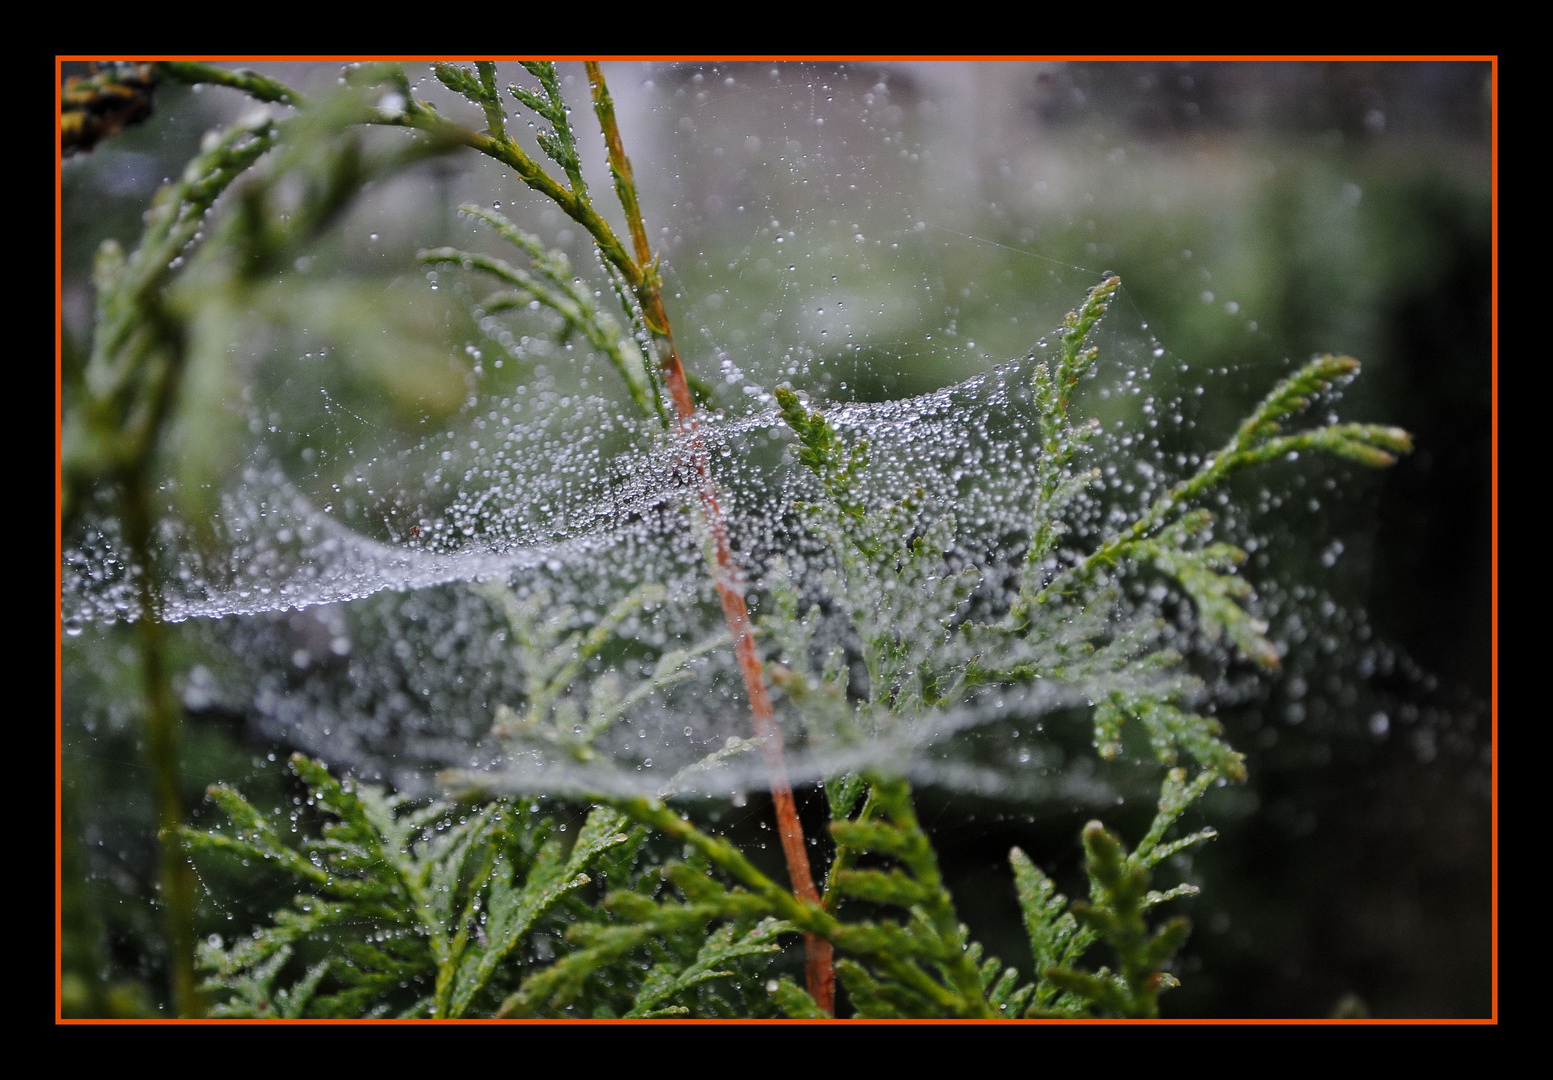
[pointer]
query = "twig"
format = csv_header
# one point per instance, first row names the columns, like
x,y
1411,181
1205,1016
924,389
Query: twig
x,y
163,734
820,968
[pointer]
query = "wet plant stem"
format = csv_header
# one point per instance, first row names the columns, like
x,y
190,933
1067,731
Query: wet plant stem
x,y
163,746
820,967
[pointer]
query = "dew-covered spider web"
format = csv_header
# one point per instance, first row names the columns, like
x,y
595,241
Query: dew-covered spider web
x,y
518,585
405,646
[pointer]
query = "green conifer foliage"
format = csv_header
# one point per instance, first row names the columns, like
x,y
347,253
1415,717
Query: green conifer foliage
x,y
481,903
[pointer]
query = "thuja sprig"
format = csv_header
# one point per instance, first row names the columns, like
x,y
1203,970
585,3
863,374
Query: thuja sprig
x,y
426,897
890,563
1060,933
437,900
820,449
676,936
553,667
1170,728
932,971
1115,914
1257,440
552,283
558,143
641,278
1205,572
479,88
552,716
1075,355
259,87
1056,939
129,382
717,959
1061,439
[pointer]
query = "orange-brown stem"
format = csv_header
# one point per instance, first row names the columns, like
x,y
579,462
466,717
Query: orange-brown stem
x,y
820,965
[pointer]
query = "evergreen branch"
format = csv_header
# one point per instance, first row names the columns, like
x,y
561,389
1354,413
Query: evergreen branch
x,y
890,947
501,147
480,88
1006,996
1206,572
877,837
842,793
259,87
1176,794
1154,896
1061,438
934,934
1075,359
553,285
854,838
553,666
581,648
1373,445
252,837
1253,443
1119,895
672,667
1056,939
1060,934
793,1000
722,854
406,909
513,912
495,116
875,999
1169,727
821,450
1294,395
893,798
655,926
136,361
723,946
884,887
559,143
253,990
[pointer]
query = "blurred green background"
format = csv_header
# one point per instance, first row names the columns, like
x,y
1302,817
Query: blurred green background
x,y
870,231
